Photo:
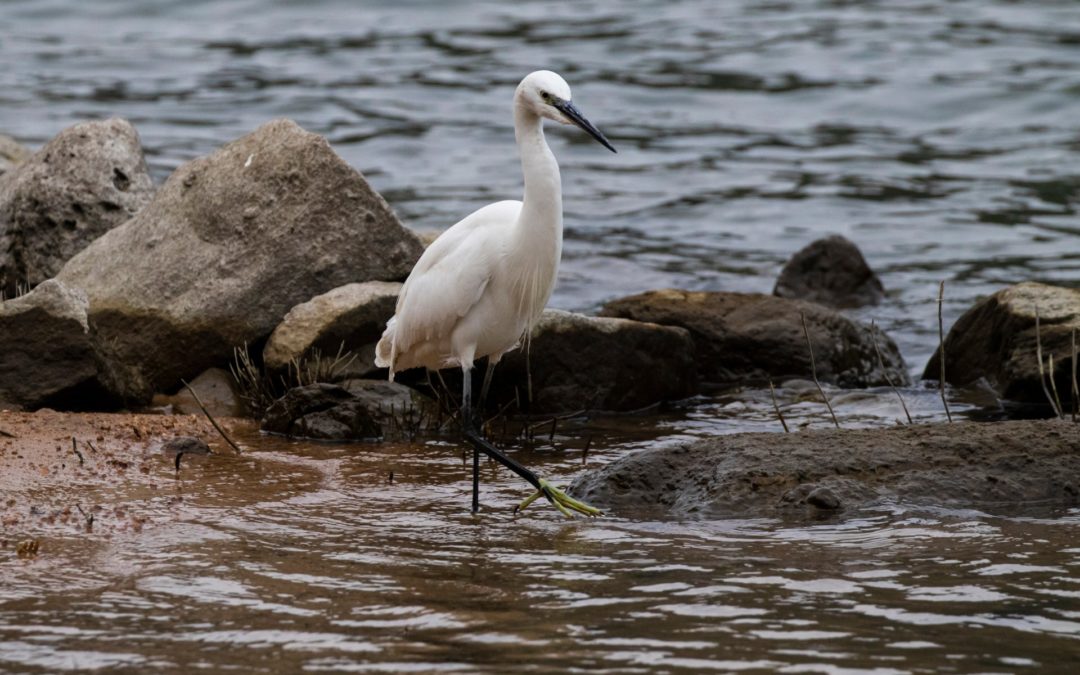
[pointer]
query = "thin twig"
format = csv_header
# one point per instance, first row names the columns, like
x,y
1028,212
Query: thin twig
x,y
1038,357
75,449
1075,395
6,434
813,370
88,517
776,407
212,420
941,349
885,371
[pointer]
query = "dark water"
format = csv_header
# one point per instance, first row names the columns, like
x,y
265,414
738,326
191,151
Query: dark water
x,y
943,138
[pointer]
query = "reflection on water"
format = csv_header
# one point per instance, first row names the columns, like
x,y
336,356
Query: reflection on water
x,y
941,137
340,570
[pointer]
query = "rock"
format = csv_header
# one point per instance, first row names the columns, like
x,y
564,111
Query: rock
x,y
11,154
321,411
823,498
428,237
998,467
46,352
995,340
389,403
84,182
217,390
349,318
831,272
229,244
749,336
589,363
186,445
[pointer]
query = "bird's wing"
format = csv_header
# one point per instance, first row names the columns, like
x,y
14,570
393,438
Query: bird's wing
x,y
451,275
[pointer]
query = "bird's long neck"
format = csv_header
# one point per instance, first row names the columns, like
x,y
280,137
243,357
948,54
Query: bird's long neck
x,y
541,216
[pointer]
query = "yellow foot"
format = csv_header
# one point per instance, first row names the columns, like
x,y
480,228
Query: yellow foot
x,y
562,501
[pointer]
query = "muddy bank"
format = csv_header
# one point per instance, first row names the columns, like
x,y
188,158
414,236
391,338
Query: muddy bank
x,y
997,468
116,477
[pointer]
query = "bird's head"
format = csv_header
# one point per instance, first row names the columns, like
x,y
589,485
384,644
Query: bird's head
x,y
548,95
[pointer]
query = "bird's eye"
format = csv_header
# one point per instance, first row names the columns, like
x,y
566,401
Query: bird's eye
x,y
546,96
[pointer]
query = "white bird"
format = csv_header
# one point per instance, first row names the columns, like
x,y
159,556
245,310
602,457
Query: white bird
x,y
481,286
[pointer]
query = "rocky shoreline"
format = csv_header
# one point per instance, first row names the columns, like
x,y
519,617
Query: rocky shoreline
x,y
1001,467
266,270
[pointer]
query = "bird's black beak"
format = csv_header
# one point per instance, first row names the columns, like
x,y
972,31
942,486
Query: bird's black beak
x,y
574,115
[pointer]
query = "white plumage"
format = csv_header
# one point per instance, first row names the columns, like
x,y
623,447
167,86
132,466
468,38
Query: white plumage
x,y
481,285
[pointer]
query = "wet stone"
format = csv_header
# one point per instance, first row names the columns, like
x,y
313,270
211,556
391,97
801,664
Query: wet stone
x,y
830,271
322,411
823,498
187,445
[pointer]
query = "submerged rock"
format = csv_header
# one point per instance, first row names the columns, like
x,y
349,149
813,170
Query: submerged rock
x,y
45,346
349,318
832,272
995,340
11,154
589,363
84,182
322,412
229,244
741,336
185,445
996,467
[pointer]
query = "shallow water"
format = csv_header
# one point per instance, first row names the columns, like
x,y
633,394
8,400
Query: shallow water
x,y
940,137
305,557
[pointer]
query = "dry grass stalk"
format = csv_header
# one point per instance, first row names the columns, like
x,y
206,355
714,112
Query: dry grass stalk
x,y
313,368
941,350
885,372
1042,374
813,370
256,387
1053,387
776,407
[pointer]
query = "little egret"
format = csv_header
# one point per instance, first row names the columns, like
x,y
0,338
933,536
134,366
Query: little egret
x,y
480,287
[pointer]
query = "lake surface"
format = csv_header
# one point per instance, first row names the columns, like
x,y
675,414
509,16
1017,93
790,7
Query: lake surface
x,y
943,138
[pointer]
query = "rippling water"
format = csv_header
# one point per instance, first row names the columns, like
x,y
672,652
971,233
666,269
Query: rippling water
x,y
942,137
301,557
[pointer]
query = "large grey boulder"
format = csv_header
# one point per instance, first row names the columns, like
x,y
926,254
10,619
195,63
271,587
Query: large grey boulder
x,y
590,363
88,179
750,336
349,318
995,340
11,154
45,348
998,467
830,271
229,244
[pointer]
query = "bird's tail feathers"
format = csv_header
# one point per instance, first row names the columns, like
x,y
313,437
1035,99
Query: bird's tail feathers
x,y
386,349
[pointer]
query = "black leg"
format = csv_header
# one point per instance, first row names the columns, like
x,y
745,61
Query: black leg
x,y
475,480
468,424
